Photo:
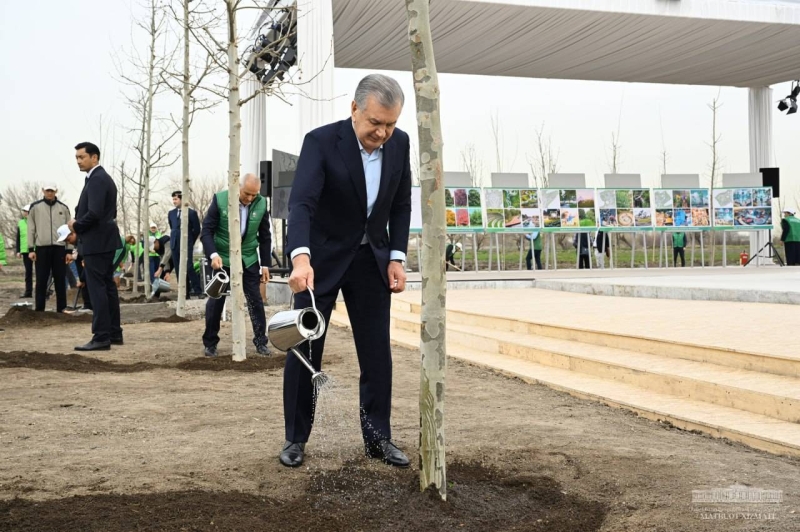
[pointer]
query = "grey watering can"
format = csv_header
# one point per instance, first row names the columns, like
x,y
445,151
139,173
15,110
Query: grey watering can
x,y
218,285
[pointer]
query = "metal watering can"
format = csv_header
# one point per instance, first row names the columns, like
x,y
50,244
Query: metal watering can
x,y
218,285
160,285
290,328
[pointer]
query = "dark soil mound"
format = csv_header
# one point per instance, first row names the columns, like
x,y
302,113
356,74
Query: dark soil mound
x,y
352,498
142,299
76,363
252,364
27,317
170,319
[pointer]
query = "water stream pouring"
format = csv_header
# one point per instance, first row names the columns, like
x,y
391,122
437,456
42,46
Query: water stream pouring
x,y
290,328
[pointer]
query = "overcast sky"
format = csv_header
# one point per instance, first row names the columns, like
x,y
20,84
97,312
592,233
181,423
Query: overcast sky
x,y
58,85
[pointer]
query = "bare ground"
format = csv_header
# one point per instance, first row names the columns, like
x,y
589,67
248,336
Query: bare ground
x,y
152,436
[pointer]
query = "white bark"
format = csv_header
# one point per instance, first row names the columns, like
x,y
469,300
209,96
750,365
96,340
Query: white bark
x,y
235,127
434,360
184,265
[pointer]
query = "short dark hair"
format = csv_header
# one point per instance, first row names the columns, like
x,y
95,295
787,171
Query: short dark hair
x,y
91,149
177,193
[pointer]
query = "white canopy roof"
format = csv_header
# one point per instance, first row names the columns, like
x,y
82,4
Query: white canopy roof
x,y
745,43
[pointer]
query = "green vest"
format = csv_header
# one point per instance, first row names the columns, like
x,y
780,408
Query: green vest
x,y
119,255
136,249
157,236
23,235
537,242
794,229
250,239
679,240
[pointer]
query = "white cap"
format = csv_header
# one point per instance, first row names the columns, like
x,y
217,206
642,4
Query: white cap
x,y
63,233
153,224
27,207
50,187
458,245
790,211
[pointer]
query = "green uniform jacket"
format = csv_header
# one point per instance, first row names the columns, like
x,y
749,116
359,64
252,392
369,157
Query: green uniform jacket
x,y
791,229
2,251
22,236
679,240
250,239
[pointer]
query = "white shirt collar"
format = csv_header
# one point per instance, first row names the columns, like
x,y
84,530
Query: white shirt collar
x,y
89,173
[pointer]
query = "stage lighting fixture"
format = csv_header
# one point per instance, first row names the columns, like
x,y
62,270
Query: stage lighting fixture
x,y
789,104
274,50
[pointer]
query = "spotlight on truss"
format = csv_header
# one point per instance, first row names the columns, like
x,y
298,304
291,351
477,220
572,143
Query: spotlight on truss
x,y
789,104
274,50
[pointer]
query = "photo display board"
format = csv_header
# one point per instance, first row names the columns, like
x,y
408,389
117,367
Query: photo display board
x,y
743,207
568,209
416,210
688,207
624,208
463,209
512,210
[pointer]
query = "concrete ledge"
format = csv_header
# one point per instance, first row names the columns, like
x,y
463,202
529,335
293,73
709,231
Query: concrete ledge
x,y
672,292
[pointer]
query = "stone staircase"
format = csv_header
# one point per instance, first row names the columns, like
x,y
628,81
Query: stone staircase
x,y
746,397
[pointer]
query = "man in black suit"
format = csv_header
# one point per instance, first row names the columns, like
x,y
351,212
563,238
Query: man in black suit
x,y
256,246
353,179
174,218
98,239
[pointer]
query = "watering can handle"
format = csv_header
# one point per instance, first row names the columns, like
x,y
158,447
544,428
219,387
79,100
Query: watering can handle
x,y
313,301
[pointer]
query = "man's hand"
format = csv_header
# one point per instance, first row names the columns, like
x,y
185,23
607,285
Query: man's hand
x,y
32,256
216,263
302,277
158,273
68,258
397,276
166,276
70,224
19,255
79,284
264,275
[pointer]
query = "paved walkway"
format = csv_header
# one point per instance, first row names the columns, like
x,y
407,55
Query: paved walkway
x,y
751,327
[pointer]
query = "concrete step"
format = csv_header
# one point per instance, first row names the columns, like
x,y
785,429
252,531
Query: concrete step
x,y
760,393
757,431
758,362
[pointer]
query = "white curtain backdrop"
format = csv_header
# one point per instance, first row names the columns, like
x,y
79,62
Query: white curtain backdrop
x,y
315,60
760,120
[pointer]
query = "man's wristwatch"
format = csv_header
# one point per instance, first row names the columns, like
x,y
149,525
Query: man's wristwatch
x,y
401,261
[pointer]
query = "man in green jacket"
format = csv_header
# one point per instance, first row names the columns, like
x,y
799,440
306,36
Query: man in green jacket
x,y
678,248
22,251
790,236
256,247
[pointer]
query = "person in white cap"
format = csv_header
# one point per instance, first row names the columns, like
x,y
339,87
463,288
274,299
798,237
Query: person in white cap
x,y
790,236
450,255
22,250
49,256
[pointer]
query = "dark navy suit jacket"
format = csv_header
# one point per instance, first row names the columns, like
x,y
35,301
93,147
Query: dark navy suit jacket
x,y
96,215
328,203
175,226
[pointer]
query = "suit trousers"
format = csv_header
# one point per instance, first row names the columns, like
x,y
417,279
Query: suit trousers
x,y
99,270
251,283
193,285
792,251
50,261
28,274
368,301
678,252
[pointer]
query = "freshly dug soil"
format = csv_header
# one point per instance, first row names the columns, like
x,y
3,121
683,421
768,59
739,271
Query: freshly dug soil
x,y
27,317
170,319
71,362
142,299
223,363
82,364
345,500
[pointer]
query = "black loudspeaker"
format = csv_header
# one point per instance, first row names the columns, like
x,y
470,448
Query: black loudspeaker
x,y
771,177
265,173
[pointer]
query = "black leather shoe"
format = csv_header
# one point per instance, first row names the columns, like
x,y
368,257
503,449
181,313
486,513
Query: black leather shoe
x,y
210,351
117,340
94,346
293,454
263,350
26,295
387,452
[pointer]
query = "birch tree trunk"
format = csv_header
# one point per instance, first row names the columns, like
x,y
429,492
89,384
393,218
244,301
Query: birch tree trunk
x,y
149,138
180,310
432,342
235,125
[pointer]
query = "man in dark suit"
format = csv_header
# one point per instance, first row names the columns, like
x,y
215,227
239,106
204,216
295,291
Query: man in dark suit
x,y
256,245
174,218
98,239
353,179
